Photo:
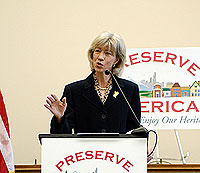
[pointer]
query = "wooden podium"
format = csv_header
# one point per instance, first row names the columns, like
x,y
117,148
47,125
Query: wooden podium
x,y
93,153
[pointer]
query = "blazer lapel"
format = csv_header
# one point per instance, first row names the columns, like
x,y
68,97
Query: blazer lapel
x,y
91,95
115,94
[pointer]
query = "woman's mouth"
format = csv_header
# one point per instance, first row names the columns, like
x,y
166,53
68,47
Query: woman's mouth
x,y
99,64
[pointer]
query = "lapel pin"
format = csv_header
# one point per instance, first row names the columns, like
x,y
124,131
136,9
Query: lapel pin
x,y
116,93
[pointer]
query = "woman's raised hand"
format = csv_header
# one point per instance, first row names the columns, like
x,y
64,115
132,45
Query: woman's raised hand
x,y
56,106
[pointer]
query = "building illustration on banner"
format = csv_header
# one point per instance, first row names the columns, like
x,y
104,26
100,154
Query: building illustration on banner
x,y
152,88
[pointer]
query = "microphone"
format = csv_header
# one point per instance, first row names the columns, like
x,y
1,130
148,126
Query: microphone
x,y
141,130
107,72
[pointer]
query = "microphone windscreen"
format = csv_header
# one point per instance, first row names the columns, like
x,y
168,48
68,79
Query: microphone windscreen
x,y
107,72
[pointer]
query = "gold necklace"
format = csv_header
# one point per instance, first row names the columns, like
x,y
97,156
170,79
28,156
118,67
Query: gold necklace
x,y
97,87
101,88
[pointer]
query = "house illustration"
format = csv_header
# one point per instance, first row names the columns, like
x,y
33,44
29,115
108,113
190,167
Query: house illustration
x,y
166,92
157,90
176,90
195,89
185,91
151,88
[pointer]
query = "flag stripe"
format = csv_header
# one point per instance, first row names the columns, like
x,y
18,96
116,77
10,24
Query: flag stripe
x,y
5,147
3,166
6,153
4,114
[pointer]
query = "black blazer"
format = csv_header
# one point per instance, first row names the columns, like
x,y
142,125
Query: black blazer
x,y
86,113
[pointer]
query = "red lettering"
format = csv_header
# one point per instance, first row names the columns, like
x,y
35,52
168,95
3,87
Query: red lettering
x,y
144,106
103,155
192,106
59,165
89,154
192,67
181,61
133,59
157,106
98,153
127,165
69,159
156,55
171,58
126,65
167,106
119,161
79,156
147,57
173,108
109,155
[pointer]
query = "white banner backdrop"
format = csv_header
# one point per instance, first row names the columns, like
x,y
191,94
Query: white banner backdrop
x,y
169,83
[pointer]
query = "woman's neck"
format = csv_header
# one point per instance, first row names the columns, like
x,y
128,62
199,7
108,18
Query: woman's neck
x,y
102,79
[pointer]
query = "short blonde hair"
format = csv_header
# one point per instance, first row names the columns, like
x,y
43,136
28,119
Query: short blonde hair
x,y
115,43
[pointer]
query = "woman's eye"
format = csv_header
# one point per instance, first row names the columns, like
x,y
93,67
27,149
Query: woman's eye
x,y
108,53
97,51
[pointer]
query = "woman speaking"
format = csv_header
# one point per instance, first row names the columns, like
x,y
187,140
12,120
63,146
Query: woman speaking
x,y
96,104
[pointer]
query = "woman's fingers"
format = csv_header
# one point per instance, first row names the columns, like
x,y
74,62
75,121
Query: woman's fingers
x,y
56,106
51,99
54,97
47,106
64,101
49,102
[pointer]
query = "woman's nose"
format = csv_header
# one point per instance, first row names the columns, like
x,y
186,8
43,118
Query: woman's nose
x,y
101,56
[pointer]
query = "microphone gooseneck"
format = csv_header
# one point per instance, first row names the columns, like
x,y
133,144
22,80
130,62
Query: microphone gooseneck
x,y
141,129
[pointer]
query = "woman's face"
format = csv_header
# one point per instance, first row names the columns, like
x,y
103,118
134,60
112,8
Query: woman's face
x,y
103,59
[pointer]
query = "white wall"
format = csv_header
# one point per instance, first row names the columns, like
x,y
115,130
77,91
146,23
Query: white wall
x,y
43,46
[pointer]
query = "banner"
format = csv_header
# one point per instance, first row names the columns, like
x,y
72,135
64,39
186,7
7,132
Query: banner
x,y
169,84
6,153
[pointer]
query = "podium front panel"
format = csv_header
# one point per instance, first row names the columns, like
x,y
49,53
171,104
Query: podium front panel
x,y
94,155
